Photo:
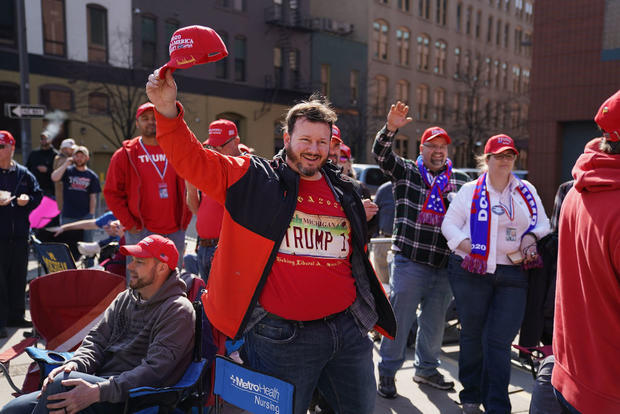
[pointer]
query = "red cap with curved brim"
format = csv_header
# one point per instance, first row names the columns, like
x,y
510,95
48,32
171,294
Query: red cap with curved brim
x,y
345,151
434,132
608,117
336,134
193,45
500,143
143,108
156,246
6,138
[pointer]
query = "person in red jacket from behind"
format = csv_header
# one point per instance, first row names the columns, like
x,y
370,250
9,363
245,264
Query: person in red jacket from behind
x,y
143,191
587,308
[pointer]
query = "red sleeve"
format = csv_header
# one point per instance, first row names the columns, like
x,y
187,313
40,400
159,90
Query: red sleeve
x,y
116,192
210,171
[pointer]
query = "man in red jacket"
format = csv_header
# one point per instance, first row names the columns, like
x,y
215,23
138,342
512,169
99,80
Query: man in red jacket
x,y
587,309
143,191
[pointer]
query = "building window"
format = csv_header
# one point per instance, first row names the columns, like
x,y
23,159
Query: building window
x,y
8,23
54,35
441,9
529,10
515,115
402,91
487,71
240,54
98,103
423,51
402,44
171,27
506,34
424,9
478,23
386,2
293,65
401,144
221,66
519,8
457,62
504,76
237,5
496,74
476,68
97,33
380,39
507,5
525,88
422,102
149,41
459,16
278,70
325,79
516,78
518,40
404,5
56,97
468,16
498,33
490,29
527,44
439,98
440,57
381,98
457,108
467,64
354,86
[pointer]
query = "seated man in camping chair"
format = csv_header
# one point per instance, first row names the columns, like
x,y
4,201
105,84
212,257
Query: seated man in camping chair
x,y
145,338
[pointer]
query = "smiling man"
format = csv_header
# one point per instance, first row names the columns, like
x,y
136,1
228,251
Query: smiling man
x,y
418,274
306,295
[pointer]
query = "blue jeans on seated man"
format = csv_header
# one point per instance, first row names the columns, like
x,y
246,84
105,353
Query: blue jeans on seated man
x,y
490,309
332,355
199,263
413,284
29,403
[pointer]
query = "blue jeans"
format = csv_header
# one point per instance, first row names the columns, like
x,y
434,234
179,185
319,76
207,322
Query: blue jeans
x,y
199,263
178,238
414,284
332,355
29,403
490,309
543,398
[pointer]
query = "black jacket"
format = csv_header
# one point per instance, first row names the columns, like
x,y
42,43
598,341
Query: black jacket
x,y
14,224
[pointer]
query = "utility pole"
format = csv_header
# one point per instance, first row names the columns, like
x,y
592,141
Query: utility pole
x,y
24,76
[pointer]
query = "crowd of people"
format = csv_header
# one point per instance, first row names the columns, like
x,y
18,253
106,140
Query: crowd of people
x,y
303,295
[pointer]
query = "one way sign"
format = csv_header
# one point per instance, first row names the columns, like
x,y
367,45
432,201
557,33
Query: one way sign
x,y
24,111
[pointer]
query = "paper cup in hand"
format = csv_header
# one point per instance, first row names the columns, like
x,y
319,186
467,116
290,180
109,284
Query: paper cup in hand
x,y
4,195
193,45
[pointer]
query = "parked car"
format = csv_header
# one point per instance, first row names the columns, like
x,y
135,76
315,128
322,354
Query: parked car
x,y
370,175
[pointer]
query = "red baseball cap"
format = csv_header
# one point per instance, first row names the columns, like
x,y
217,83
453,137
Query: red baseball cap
x,y
221,131
143,108
500,143
608,117
434,132
193,45
6,138
345,151
156,246
336,134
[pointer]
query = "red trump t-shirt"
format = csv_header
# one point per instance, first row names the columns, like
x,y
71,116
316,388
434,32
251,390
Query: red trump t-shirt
x,y
311,277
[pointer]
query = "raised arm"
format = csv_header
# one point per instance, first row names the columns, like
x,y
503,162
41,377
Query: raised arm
x,y
390,163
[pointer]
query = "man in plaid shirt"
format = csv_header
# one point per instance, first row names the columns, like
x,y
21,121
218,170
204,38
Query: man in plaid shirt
x,y
422,189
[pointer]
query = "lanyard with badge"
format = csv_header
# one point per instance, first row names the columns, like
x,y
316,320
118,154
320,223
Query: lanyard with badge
x,y
509,209
162,186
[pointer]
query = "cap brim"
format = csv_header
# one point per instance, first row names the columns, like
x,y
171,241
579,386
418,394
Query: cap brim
x,y
335,138
168,66
504,148
441,134
135,250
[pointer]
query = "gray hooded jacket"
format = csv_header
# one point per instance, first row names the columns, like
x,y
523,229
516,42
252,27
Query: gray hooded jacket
x,y
140,342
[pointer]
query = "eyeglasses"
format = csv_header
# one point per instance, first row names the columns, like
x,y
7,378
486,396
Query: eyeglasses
x,y
436,147
505,156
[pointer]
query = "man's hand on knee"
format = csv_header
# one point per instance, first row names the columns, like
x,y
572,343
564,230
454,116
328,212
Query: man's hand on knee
x,y
82,395
68,367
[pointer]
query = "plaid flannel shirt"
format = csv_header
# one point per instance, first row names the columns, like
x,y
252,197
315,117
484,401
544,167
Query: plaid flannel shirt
x,y
421,243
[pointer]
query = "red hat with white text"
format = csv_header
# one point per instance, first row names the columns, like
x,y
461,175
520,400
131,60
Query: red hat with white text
x,y
336,134
608,117
6,138
220,132
156,246
434,132
500,143
193,45
143,108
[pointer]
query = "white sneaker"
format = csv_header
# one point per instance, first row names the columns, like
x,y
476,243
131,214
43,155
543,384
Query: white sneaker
x,y
88,248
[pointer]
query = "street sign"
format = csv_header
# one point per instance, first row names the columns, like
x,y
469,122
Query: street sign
x,y
24,111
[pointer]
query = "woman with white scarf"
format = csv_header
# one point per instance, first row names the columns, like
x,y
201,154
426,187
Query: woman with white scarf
x,y
492,226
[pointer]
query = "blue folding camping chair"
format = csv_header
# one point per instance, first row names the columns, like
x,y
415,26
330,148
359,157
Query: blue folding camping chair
x,y
251,390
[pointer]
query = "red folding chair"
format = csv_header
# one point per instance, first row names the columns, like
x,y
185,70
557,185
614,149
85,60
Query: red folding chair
x,y
64,307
